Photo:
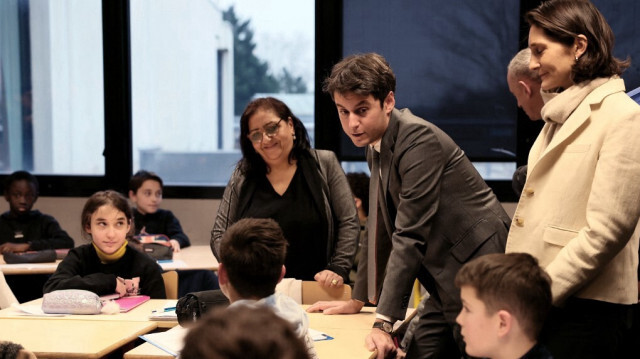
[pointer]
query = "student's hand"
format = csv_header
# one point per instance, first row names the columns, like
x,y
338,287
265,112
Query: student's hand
x,y
337,307
175,245
328,278
121,287
14,247
381,341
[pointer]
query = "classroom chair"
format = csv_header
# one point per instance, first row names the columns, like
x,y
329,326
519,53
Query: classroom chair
x,y
312,292
171,284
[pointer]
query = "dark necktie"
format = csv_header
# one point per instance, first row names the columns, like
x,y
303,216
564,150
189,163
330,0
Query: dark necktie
x,y
372,224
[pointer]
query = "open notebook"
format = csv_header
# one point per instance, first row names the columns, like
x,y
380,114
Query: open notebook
x,y
128,303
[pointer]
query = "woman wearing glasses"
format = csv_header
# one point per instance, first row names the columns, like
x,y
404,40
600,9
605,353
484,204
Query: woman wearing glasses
x,y
304,190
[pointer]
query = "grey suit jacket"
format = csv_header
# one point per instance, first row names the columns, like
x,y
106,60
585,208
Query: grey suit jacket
x,y
436,214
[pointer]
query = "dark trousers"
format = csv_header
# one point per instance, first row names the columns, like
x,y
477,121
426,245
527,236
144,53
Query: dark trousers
x,y
586,329
630,345
433,333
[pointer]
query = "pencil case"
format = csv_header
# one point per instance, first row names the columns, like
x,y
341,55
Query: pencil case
x,y
43,256
157,246
71,301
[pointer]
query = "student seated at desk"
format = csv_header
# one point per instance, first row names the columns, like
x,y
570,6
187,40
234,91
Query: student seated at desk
x,y
252,254
23,229
145,191
108,264
243,332
505,300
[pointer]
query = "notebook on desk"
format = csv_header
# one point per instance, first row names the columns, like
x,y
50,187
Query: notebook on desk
x,y
128,303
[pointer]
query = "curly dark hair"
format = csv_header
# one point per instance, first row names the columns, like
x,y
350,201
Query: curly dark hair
x,y
19,176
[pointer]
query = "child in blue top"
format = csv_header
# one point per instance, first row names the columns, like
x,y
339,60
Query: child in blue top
x,y
108,264
145,191
23,229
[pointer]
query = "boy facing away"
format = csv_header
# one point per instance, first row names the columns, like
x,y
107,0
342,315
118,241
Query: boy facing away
x,y
252,253
505,300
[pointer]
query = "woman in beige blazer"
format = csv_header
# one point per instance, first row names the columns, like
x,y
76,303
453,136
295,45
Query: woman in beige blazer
x,y
581,201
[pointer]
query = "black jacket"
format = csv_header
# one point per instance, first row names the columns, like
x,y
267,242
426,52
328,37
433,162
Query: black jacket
x,y
43,231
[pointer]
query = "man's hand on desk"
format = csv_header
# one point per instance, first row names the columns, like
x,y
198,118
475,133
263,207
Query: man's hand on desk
x,y
337,307
381,341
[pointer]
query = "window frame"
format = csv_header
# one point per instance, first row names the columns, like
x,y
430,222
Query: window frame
x,y
118,151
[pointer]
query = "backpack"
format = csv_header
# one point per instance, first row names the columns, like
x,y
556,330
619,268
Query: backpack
x,y
193,305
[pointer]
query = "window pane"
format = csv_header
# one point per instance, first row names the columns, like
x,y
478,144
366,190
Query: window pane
x,y
450,60
197,63
51,87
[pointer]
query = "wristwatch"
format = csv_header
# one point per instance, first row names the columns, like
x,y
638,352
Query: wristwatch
x,y
384,326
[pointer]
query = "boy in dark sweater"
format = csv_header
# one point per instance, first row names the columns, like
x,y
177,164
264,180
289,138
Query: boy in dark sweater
x,y
145,191
23,229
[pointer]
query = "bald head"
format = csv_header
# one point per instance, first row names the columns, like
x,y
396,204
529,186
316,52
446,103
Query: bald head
x,y
524,84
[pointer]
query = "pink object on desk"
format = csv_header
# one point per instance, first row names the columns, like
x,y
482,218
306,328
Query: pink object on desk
x,y
128,303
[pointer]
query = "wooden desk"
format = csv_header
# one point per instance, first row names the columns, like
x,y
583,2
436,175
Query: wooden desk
x,y
348,331
56,338
138,314
28,268
194,257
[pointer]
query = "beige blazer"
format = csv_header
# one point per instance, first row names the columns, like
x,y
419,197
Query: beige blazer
x,y
581,201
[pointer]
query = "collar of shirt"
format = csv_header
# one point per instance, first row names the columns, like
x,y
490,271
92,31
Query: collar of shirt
x,y
376,146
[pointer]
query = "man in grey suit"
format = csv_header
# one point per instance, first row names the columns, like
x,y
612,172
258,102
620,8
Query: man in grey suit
x,y
434,212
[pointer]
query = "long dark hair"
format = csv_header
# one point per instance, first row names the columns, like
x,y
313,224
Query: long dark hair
x,y
564,20
251,162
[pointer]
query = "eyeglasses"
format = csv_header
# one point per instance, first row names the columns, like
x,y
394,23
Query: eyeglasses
x,y
270,130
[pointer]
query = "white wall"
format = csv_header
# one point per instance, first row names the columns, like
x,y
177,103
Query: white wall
x,y
195,215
